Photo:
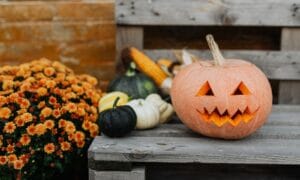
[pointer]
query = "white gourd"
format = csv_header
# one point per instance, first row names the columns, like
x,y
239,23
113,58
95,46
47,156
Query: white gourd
x,y
146,112
165,109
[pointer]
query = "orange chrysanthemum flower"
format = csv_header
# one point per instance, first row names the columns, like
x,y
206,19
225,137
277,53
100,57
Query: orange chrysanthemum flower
x,y
71,136
86,125
49,148
19,121
80,144
70,127
49,124
94,134
40,129
9,127
65,146
71,107
81,111
11,158
3,100
41,105
24,158
31,130
62,123
25,140
18,164
3,160
27,117
46,112
24,104
42,91
5,113
94,127
52,100
49,71
50,83
79,136
10,148
56,113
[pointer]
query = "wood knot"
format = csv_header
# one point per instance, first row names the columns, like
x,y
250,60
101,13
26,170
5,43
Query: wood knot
x,y
295,9
226,18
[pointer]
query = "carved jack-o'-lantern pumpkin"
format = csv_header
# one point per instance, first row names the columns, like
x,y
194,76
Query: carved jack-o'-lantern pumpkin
x,y
226,99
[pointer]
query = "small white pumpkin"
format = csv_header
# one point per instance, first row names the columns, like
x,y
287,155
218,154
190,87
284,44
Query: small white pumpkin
x,y
147,113
165,109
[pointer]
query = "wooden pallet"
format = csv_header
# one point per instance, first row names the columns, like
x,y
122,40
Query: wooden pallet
x,y
134,16
172,150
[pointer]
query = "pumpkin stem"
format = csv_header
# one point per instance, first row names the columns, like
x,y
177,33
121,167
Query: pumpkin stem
x,y
116,102
131,69
214,48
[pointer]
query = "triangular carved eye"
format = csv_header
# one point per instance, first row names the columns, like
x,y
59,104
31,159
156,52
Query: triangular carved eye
x,y
241,90
205,90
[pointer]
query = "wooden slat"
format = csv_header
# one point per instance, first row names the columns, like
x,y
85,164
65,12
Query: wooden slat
x,y
289,90
56,11
268,131
207,12
135,174
196,150
68,31
275,64
127,36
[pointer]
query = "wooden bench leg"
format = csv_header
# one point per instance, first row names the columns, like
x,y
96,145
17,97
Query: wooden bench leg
x,y
289,90
137,173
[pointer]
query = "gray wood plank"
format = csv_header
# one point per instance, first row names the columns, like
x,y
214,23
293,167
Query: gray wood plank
x,y
208,12
196,150
289,90
127,36
275,64
273,131
137,173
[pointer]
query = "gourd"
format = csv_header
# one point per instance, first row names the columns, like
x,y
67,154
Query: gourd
x,y
228,99
146,112
118,121
107,101
148,67
136,85
165,109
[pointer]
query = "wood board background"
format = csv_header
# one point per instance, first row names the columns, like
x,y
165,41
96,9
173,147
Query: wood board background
x,y
81,34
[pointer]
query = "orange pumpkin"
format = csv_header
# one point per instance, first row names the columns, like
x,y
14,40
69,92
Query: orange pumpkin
x,y
227,99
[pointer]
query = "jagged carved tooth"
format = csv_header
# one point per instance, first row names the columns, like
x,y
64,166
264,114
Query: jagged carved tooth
x,y
210,110
201,110
243,108
232,112
221,110
236,121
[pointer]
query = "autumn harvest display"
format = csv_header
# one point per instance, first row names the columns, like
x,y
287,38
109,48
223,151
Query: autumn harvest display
x,y
48,117
222,98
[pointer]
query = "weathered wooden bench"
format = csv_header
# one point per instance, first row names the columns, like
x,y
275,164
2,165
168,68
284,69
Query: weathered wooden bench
x,y
172,150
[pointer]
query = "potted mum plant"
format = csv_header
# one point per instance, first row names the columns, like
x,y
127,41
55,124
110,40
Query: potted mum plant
x,y
47,119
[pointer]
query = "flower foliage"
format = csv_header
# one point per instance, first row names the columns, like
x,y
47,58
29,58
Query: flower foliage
x,y
47,117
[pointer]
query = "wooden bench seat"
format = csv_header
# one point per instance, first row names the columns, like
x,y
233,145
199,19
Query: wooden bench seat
x,y
277,143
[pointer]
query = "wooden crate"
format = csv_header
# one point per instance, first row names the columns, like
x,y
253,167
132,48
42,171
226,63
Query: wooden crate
x,y
172,150
133,17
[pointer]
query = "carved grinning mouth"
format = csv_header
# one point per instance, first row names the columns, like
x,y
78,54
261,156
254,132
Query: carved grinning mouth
x,y
221,119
